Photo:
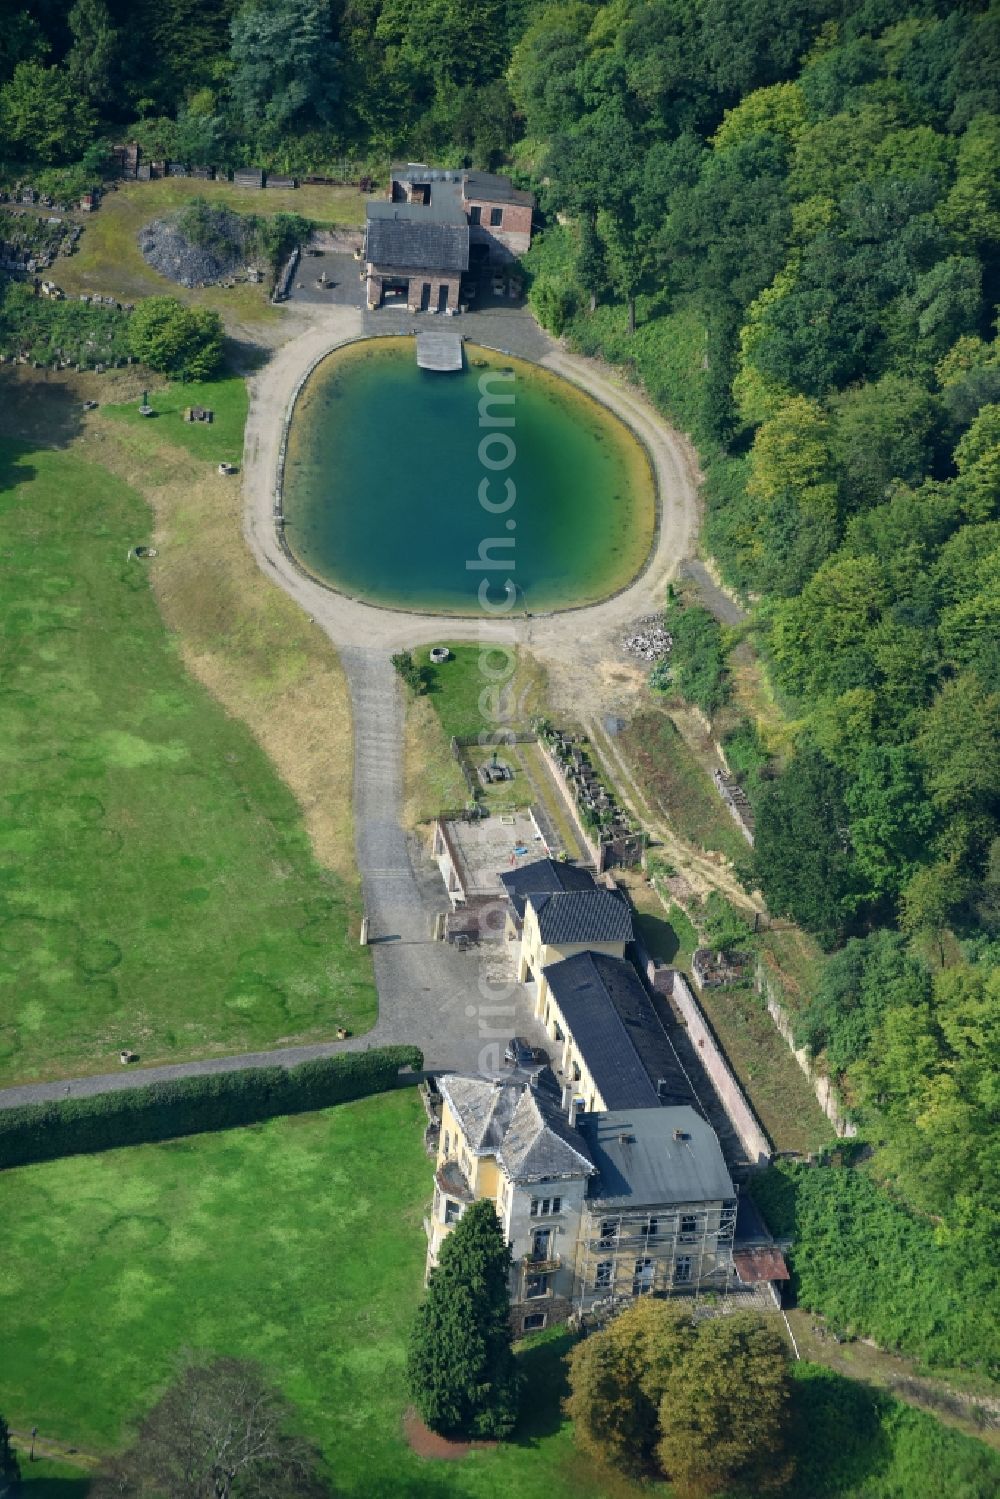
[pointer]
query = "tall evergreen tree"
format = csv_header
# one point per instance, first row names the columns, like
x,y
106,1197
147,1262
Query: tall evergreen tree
x,y
10,1469
461,1366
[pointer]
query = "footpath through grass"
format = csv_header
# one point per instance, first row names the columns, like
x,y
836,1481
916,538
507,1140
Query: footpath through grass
x,y
157,886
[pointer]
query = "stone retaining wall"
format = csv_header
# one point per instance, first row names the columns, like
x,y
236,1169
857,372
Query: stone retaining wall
x,y
826,1093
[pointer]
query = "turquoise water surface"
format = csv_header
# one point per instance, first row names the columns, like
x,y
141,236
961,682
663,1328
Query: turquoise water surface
x,y
386,463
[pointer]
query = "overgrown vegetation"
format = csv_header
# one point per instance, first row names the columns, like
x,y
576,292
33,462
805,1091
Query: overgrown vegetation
x,y
874,1268
267,238
53,333
805,231
697,660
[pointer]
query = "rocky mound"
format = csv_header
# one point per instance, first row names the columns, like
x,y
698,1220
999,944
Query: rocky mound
x,y
200,248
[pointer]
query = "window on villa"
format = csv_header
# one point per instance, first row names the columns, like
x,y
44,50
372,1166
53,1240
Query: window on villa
x,y
475,214
452,1211
609,1231
536,1286
603,1274
541,1207
557,1033
496,217
576,1072
533,1321
643,1277
682,1269
447,1143
689,1227
652,1227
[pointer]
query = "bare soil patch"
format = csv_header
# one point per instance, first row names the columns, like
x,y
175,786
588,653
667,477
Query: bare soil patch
x,y
427,1443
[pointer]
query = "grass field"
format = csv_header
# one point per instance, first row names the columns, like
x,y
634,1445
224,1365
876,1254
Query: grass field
x,y
108,259
454,705
475,691
298,1243
220,441
158,887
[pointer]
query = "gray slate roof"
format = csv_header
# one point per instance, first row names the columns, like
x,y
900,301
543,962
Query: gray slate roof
x,y
640,1163
543,876
522,1125
618,1032
410,237
566,916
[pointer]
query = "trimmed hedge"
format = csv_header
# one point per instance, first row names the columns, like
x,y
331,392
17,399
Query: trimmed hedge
x,y
194,1105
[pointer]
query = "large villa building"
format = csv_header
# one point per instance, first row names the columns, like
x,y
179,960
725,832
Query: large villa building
x,y
434,226
594,1206
609,1181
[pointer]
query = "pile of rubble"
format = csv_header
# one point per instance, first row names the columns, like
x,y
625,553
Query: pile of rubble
x,y
649,640
169,251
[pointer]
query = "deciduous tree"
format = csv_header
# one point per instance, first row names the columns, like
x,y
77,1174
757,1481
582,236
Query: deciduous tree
x,y
617,1378
219,1432
723,1414
176,340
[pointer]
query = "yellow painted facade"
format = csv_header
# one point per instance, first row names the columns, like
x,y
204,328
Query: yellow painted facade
x,y
537,955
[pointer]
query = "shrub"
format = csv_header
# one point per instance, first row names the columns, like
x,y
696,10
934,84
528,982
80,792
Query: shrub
x,y
415,677
697,658
195,1105
176,340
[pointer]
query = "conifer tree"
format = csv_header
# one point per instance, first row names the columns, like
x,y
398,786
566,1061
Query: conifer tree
x,y
461,1366
10,1470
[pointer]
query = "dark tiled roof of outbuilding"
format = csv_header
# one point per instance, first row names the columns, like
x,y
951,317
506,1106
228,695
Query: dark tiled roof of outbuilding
x,y
615,1026
400,237
544,876
566,916
495,189
645,1157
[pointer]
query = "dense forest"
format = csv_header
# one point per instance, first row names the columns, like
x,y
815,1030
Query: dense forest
x,y
784,217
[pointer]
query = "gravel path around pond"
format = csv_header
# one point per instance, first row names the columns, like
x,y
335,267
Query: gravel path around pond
x,y
429,993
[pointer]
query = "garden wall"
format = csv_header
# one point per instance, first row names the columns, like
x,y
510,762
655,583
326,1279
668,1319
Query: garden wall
x,y
195,1105
758,1147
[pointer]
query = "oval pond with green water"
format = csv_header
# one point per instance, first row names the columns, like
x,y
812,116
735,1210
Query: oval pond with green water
x,y
396,487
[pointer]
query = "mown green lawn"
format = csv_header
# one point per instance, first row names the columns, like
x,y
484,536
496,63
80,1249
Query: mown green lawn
x,y
157,888
220,441
298,1243
513,684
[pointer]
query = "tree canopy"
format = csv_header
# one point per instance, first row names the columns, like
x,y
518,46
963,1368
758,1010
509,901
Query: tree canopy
x,y
461,1367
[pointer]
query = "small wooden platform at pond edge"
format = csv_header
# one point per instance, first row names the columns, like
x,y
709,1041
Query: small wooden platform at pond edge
x,y
439,351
